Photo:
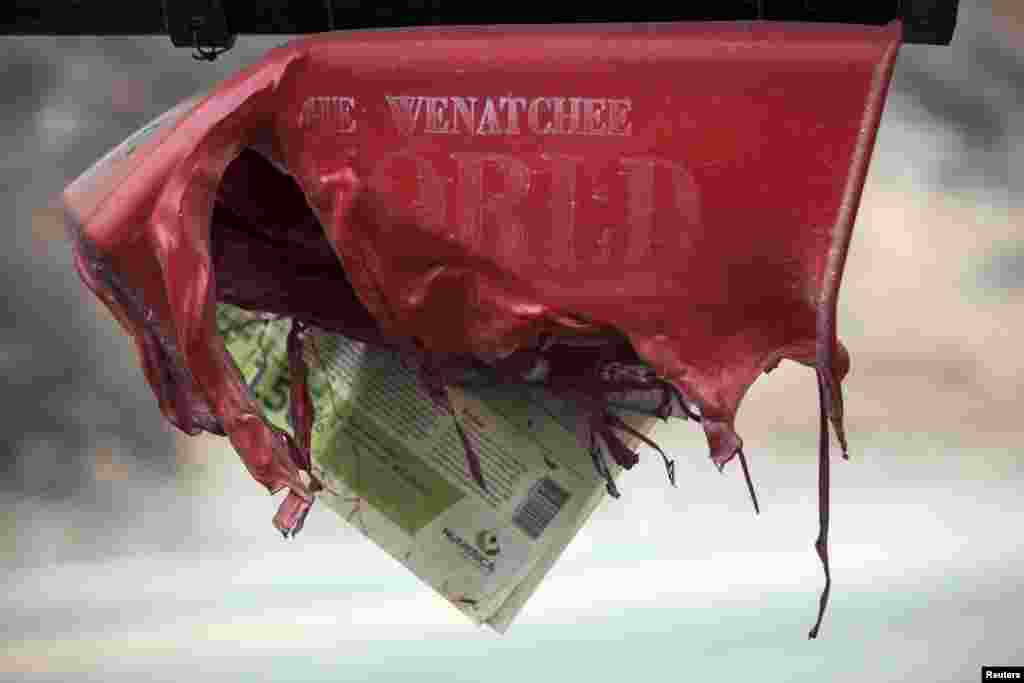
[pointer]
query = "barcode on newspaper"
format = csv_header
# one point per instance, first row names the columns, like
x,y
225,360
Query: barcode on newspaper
x,y
543,502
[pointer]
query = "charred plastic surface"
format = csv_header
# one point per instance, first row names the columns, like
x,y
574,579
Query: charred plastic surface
x,y
159,353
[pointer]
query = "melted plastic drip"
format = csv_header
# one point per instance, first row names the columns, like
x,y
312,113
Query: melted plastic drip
x,y
821,544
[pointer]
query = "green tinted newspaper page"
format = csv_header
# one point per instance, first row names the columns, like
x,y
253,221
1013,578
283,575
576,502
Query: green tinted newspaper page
x,y
394,466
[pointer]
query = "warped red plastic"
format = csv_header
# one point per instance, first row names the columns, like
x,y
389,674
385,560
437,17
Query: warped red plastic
x,y
691,187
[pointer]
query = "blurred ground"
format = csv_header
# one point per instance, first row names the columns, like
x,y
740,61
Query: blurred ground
x,y
129,549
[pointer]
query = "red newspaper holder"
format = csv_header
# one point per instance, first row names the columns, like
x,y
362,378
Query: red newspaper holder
x,y
691,187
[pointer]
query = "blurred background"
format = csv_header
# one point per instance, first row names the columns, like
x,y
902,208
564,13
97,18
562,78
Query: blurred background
x,y
129,550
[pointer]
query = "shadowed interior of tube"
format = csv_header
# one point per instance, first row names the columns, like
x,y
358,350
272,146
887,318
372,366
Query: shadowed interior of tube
x,y
270,254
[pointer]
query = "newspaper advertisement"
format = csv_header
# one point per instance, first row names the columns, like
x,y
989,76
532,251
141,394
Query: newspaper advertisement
x,y
394,466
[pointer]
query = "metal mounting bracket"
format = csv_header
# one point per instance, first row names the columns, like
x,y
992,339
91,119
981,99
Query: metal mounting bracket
x,y
200,24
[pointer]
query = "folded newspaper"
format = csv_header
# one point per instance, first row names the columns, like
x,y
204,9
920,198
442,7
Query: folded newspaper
x,y
394,467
